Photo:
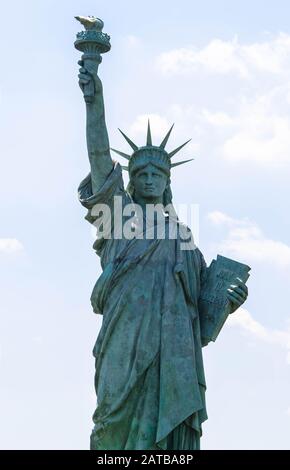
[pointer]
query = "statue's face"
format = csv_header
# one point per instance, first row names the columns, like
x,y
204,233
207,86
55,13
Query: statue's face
x,y
149,183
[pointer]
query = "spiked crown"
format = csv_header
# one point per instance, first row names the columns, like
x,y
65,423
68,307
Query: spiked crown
x,y
149,153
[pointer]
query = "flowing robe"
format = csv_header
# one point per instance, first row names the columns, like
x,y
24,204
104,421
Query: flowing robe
x,y
149,378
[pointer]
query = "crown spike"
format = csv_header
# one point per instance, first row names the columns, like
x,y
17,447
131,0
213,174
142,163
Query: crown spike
x,y
124,155
164,141
149,139
181,163
134,146
178,148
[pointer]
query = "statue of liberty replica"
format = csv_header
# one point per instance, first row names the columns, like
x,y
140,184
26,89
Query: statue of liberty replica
x,y
159,301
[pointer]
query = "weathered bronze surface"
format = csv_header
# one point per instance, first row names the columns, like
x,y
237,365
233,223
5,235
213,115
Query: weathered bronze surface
x,y
160,303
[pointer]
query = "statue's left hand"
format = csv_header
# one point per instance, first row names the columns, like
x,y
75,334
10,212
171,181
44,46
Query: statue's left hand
x,y
237,293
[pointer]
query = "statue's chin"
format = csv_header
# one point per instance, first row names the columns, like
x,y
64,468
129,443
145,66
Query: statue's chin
x,y
148,198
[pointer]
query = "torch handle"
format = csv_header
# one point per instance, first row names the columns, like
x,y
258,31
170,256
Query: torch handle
x,y
91,62
89,92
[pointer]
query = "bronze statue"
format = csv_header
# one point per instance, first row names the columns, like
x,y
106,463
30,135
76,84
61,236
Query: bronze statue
x,y
159,301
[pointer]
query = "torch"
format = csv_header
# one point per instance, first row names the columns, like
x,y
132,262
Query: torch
x,y
92,43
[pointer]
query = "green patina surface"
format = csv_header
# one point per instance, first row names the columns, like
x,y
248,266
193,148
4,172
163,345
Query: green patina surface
x,y
149,380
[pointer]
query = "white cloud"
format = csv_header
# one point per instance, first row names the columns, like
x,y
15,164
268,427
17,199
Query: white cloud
x,y
257,129
243,319
219,218
261,135
218,57
10,245
245,240
224,57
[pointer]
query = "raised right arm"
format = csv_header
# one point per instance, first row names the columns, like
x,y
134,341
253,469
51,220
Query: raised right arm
x,y
96,131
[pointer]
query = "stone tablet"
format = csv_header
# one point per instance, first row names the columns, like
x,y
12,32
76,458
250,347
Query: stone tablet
x,y
214,304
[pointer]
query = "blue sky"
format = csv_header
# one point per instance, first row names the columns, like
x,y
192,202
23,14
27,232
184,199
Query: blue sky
x,y
220,70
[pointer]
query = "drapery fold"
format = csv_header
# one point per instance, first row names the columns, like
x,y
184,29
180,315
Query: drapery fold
x,y
149,379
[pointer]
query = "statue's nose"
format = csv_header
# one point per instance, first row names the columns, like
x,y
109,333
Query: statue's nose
x,y
149,180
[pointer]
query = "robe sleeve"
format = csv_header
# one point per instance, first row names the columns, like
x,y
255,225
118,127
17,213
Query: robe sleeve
x,y
113,186
103,205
